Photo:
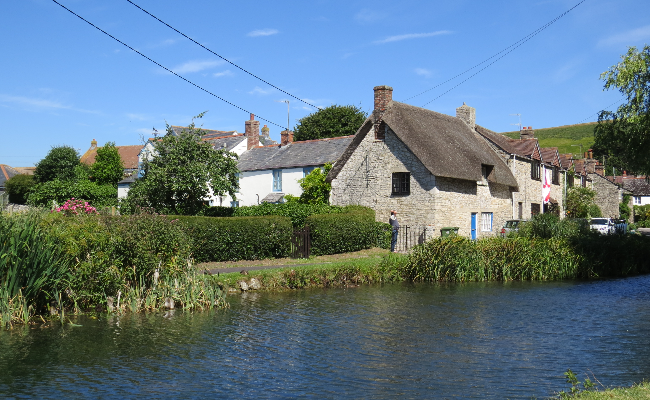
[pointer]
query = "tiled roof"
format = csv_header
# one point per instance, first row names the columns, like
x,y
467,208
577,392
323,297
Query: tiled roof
x,y
638,186
528,148
207,133
297,154
566,160
444,144
228,142
550,156
6,173
128,154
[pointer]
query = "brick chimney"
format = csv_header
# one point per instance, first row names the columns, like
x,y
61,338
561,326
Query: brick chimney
x,y
467,114
383,97
600,169
286,137
527,132
252,132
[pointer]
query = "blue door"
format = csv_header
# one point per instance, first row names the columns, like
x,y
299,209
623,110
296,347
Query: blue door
x,y
473,226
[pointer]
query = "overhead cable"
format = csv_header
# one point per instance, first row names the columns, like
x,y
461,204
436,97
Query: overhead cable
x,y
162,66
507,51
223,58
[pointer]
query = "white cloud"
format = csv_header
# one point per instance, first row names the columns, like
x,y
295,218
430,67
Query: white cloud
x,y
423,72
407,36
196,66
260,91
40,103
137,117
223,73
629,38
263,32
367,16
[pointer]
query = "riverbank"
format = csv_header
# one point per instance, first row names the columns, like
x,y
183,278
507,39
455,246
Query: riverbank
x,y
638,391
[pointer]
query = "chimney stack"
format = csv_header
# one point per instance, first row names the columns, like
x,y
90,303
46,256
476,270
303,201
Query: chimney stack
x,y
265,132
93,144
286,137
252,132
527,132
467,114
383,97
600,169
590,165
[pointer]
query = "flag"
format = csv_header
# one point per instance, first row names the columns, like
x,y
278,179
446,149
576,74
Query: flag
x,y
546,186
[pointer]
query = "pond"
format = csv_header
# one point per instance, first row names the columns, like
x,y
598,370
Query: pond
x,y
476,340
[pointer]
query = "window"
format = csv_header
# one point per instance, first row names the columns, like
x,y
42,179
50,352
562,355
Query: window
x,y
520,210
534,170
534,208
401,183
486,170
556,176
637,200
234,204
307,170
380,131
486,222
569,179
277,180
583,180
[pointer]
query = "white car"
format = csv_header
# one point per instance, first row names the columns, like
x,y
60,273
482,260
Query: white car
x,y
604,226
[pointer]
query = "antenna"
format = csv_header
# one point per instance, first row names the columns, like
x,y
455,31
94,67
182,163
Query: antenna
x,y
285,101
519,124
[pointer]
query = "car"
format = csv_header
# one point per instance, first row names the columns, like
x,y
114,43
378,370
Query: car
x,y
604,226
511,225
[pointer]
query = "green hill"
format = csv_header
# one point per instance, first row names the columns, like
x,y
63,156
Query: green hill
x,y
567,138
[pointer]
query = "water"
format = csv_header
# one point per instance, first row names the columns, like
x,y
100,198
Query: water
x,y
478,340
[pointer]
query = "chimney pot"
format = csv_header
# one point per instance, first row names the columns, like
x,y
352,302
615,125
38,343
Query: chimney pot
x,y
252,117
527,133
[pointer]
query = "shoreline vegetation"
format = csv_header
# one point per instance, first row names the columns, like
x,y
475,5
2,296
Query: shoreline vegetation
x,y
53,263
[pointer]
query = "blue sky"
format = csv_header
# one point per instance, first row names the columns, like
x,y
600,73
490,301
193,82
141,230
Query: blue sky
x,y
64,82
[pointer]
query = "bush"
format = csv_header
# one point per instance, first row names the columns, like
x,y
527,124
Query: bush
x,y
352,230
297,212
58,191
19,188
232,239
546,226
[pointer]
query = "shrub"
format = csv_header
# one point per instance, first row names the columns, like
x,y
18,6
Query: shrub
x,y
238,238
296,211
352,230
546,226
19,188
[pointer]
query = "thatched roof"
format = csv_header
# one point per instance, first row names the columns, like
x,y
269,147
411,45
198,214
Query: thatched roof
x,y
445,145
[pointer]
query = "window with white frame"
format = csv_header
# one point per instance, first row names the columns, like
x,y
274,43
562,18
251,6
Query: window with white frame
x,y
637,200
234,203
486,222
277,180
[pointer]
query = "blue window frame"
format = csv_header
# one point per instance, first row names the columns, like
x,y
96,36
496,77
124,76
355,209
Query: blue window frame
x,y
307,170
277,180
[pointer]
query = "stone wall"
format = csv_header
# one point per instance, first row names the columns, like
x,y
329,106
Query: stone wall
x,y
436,202
608,195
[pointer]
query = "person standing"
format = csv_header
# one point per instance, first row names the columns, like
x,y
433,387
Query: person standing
x,y
395,225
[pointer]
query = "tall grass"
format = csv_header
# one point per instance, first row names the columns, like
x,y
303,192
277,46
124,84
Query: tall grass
x,y
31,267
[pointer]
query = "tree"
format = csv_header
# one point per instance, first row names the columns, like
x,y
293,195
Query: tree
x,y
315,190
332,121
108,167
624,135
59,163
580,203
182,173
19,188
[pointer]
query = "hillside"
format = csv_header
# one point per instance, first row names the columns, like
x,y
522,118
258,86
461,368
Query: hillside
x,y
567,138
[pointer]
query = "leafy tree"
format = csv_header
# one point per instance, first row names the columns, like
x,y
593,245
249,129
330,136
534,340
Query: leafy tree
x,y
624,135
580,203
624,210
19,188
182,173
314,188
59,163
108,167
332,121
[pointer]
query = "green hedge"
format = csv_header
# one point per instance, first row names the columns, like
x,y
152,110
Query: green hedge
x,y
297,212
353,229
238,238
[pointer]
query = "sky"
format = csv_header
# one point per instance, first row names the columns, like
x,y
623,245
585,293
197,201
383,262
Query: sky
x,y
63,82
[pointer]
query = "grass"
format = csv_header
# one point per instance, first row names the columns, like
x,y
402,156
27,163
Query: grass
x,y
640,391
563,137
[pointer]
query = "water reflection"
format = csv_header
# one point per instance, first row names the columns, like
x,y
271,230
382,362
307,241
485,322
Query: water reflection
x,y
485,340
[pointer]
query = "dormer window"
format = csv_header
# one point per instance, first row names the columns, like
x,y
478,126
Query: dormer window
x,y
486,170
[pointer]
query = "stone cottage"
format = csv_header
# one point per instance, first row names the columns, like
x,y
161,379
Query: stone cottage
x,y
435,170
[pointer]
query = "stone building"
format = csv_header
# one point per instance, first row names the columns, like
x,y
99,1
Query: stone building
x,y
433,169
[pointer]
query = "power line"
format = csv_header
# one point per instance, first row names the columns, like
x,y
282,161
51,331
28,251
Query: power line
x,y
589,117
507,51
162,66
223,58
